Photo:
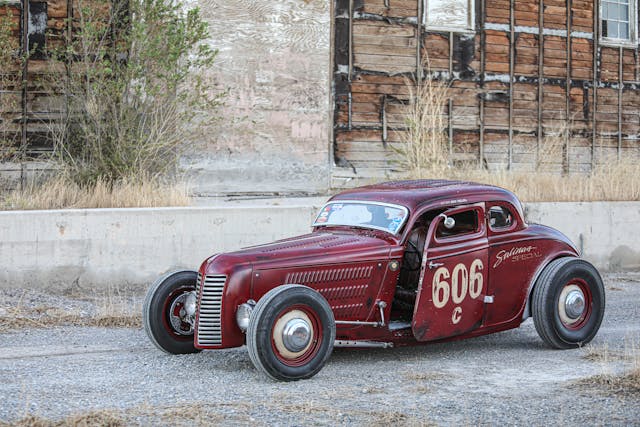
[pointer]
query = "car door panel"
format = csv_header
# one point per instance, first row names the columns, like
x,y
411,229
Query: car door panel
x,y
453,282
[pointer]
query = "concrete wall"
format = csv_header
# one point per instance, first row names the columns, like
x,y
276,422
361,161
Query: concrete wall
x,y
274,60
607,233
106,247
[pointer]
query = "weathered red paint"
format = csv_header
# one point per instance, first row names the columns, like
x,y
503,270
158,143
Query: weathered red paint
x,y
353,268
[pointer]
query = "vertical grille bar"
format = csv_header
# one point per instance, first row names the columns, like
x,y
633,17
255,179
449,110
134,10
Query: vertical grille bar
x,y
210,310
198,283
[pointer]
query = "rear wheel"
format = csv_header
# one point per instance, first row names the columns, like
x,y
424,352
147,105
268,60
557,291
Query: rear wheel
x,y
168,312
291,333
568,303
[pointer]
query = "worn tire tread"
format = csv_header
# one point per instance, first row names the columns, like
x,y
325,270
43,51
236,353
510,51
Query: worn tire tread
x,y
254,323
543,310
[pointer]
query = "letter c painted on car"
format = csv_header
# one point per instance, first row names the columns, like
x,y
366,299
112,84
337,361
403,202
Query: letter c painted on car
x,y
457,315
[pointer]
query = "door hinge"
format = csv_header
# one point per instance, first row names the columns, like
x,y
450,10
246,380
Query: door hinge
x,y
433,265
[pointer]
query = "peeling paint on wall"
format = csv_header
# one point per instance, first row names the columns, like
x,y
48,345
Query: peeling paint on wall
x,y
274,60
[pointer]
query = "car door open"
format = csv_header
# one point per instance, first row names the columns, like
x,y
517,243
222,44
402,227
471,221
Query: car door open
x,y
451,290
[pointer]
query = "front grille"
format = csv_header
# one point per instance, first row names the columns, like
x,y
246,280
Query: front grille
x,y
210,310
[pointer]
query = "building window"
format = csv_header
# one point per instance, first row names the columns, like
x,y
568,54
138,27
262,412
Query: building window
x,y
37,29
449,15
618,21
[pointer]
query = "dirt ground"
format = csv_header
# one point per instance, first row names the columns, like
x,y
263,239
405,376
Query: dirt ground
x,y
63,363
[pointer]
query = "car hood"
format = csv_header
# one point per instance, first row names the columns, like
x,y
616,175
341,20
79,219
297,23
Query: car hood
x,y
325,247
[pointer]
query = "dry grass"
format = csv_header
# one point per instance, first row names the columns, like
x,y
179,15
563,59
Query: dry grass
x,y
225,413
424,143
90,419
626,384
109,311
614,180
62,193
425,154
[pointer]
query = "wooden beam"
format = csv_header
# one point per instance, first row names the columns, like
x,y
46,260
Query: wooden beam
x,y
620,85
540,77
419,44
483,41
566,167
596,49
512,24
349,77
24,50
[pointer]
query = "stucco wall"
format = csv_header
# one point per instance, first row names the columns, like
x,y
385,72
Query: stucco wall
x,y
108,247
274,60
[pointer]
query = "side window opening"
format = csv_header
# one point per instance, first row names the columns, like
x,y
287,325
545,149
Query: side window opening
x,y
465,223
500,217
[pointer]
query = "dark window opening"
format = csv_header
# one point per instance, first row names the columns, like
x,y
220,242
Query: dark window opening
x,y
37,30
465,222
500,217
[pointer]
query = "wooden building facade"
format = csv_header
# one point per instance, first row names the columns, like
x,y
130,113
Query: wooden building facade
x,y
28,100
522,75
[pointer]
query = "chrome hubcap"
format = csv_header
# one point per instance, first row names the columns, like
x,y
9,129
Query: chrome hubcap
x,y
574,304
293,334
296,335
571,305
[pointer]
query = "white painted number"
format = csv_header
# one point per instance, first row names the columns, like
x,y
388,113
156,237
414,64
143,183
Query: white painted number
x,y
475,284
460,283
440,288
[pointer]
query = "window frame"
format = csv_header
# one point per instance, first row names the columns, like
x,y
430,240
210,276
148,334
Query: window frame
x,y
503,228
399,229
471,19
480,232
632,41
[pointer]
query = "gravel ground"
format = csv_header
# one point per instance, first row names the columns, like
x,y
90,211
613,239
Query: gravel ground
x,y
509,378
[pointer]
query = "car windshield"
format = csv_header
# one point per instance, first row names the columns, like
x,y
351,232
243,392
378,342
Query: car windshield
x,y
379,216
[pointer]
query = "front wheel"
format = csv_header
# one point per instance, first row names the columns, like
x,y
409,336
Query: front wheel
x,y
168,312
568,303
291,333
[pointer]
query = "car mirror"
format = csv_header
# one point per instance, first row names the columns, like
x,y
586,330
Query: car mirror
x,y
448,222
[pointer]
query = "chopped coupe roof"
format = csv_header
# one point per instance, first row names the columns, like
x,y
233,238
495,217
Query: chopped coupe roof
x,y
415,193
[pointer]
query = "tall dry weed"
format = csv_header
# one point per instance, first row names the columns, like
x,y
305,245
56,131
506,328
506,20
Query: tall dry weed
x,y
424,147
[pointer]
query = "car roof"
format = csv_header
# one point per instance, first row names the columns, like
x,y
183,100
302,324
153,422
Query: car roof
x,y
416,193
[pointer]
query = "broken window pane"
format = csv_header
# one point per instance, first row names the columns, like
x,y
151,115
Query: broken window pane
x,y
449,14
37,29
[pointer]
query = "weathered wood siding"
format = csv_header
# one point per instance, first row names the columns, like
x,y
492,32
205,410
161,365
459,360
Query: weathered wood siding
x,y
517,83
26,109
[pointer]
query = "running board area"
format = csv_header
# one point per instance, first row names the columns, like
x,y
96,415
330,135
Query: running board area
x,y
362,344
396,325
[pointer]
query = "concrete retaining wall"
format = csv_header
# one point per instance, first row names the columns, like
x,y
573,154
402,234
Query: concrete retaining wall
x,y
130,247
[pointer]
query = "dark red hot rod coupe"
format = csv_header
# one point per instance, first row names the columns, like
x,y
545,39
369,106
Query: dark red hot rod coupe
x,y
392,264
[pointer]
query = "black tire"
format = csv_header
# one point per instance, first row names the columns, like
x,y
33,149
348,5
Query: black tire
x,y
156,312
267,347
560,325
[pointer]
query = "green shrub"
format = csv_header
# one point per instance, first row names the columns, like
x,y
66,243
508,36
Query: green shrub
x,y
135,89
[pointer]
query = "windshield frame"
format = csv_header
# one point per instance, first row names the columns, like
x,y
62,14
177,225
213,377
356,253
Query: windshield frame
x,y
405,218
